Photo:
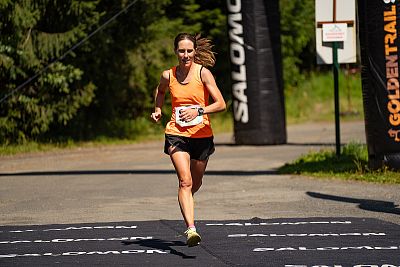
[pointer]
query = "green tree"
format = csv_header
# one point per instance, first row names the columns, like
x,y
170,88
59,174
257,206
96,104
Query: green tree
x,y
125,62
33,34
297,35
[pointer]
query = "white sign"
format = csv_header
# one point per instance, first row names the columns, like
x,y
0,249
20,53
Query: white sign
x,y
345,12
334,32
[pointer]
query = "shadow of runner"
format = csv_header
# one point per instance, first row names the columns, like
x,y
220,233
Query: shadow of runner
x,y
161,244
365,204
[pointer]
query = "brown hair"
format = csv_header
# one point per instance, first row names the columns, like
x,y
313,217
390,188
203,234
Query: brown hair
x,y
203,47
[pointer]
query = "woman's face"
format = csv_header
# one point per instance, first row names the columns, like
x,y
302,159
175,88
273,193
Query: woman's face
x,y
185,52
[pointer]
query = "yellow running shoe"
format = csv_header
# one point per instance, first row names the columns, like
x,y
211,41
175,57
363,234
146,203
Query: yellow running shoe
x,y
193,238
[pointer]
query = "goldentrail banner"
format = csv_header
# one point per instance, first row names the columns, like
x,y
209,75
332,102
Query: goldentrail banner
x,y
256,72
378,22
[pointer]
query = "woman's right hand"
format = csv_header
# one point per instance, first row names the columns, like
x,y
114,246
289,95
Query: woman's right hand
x,y
156,115
160,94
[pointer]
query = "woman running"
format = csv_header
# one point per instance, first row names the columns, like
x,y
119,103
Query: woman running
x,y
188,135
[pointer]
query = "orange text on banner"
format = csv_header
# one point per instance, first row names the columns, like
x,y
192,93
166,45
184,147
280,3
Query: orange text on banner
x,y
392,66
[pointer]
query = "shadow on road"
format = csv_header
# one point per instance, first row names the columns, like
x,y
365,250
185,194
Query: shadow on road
x,y
162,245
365,204
321,144
152,172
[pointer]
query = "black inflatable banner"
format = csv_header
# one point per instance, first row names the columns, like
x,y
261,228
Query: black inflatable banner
x,y
257,87
380,80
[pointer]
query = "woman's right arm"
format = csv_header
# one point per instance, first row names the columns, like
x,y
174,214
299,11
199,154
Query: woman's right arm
x,y
160,95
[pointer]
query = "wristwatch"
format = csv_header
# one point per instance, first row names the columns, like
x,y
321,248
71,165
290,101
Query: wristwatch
x,y
200,111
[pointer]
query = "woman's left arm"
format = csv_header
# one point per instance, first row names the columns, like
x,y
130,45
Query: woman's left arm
x,y
209,82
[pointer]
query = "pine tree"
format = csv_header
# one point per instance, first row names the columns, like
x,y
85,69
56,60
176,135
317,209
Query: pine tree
x,y
34,34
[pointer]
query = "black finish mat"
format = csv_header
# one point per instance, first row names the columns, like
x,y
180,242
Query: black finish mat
x,y
297,242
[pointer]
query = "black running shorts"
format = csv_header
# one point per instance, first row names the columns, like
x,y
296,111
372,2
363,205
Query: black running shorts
x,y
198,148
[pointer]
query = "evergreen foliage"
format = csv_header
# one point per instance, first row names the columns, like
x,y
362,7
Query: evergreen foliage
x,y
33,33
298,39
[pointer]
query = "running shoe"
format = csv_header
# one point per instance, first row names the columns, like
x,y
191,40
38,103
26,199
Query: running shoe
x,y
193,238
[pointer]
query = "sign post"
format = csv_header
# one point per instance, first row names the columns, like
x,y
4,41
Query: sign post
x,y
332,25
336,89
335,33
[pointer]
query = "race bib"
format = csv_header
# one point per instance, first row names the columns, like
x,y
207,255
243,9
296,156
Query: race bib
x,y
195,121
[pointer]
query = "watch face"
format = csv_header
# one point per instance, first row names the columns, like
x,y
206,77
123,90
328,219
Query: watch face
x,y
201,111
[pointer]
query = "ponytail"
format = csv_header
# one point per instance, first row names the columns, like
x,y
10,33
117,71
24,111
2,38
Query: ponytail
x,y
204,54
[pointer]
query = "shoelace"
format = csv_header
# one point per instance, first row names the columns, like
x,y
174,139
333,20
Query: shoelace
x,y
189,230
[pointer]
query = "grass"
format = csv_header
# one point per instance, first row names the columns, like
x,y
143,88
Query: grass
x,y
34,147
136,131
313,100
222,122
351,165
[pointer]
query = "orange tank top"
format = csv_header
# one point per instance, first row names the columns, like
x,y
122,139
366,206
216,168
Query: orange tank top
x,y
192,93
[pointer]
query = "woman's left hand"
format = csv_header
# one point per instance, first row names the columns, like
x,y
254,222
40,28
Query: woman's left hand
x,y
188,114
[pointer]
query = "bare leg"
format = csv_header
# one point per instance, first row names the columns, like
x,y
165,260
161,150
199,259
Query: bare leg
x,y
181,161
197,169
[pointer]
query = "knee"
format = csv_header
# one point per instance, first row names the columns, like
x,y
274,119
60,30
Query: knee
x,y
185,183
